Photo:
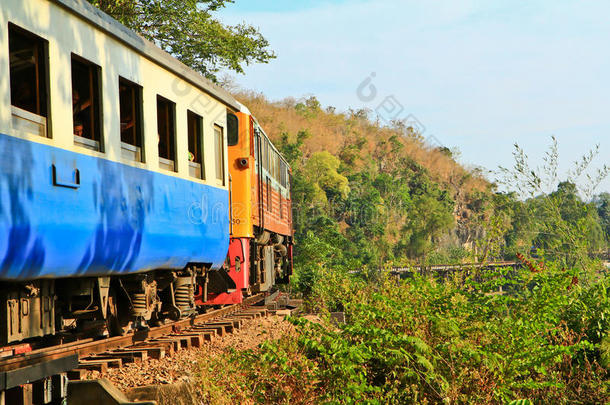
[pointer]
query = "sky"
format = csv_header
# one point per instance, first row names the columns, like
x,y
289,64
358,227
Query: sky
x,y
476,76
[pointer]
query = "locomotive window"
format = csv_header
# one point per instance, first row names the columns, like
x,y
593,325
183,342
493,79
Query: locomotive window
x,y
264,157
220,156
265,154
28,78
195,148
166,130
282,173
271,162
256,154
130,103
276,166
269,199
232,129
86,117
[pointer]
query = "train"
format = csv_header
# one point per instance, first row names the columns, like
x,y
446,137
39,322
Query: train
x,y
132,190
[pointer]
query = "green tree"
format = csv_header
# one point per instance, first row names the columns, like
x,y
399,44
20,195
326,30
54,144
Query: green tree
x,y
321,169
309,108
522,228
565,222
602,203
568,229
431,218
187,30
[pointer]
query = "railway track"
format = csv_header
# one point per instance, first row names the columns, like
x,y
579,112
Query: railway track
x,y
453,267
40,376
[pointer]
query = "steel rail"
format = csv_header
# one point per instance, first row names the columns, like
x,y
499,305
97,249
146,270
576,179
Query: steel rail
x,y
89,346
457,267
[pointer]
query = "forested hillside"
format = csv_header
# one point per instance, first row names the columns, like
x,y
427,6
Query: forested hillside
x,y
370,194
367,194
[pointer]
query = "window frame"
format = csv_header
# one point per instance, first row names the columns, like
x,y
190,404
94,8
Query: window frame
x,y
220,160
199,144
266,154
283,170
42,73
276,166
170,162
232,118
137,104
96,113
255,144
269,194
271,161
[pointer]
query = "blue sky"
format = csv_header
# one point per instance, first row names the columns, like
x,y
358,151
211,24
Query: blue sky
x,y
478,75
246,6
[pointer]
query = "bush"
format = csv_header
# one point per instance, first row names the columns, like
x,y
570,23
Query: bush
x,y
457,341
277,373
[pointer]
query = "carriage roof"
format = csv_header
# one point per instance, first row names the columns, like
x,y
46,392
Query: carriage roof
x,y
111,27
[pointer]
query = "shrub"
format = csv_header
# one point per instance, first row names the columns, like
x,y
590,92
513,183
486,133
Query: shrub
x,y
455,341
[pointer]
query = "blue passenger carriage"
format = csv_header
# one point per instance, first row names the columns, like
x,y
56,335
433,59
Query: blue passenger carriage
x,y
114,189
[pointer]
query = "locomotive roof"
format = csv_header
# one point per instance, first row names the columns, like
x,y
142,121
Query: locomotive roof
x,y
113,28
245,110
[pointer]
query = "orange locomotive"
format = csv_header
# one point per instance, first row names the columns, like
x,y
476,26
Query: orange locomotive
x,y
261,244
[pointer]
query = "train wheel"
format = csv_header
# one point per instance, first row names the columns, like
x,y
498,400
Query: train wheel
x,y
116,324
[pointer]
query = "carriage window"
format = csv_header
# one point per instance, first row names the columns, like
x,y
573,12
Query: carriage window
x,y
166,129
195,148
28,79
130,95
232,129
220,156
86,117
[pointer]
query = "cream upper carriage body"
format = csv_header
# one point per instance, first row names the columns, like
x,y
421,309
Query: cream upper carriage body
x,y
148,171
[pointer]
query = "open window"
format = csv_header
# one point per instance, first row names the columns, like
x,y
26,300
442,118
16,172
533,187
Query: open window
x,y
130,95
28,58
166,129
219,154
195,125
86,105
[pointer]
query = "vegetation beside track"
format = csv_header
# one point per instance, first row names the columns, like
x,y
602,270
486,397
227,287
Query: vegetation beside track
x,y
423,341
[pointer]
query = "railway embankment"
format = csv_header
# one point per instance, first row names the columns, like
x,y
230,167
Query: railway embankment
x,y
177,379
